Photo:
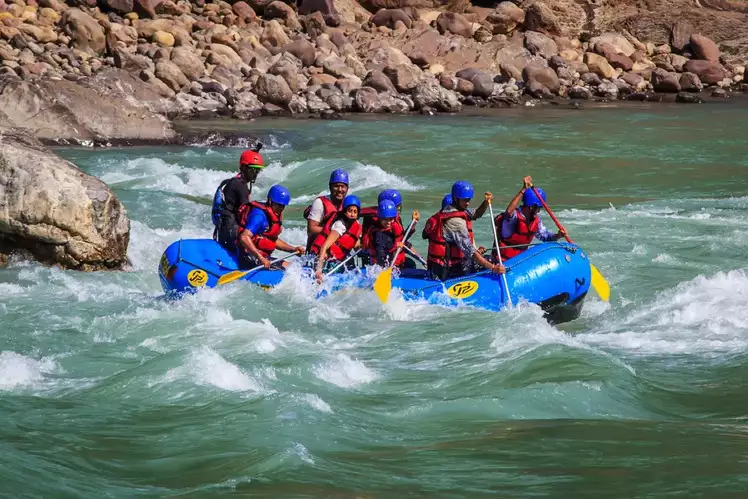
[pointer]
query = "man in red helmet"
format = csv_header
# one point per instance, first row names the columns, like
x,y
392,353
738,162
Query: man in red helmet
x,y
231,194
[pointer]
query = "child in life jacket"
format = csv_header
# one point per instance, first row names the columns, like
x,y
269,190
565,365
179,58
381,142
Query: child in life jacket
x,y
340,235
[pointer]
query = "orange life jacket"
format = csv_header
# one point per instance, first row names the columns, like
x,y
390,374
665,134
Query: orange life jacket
x,y
523,235
440,251
345,243
397,232
266,241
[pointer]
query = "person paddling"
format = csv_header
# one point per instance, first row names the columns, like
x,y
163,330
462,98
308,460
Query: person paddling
x,y
324,207
451,249
259,228
340,235
233,193
385,235
517,227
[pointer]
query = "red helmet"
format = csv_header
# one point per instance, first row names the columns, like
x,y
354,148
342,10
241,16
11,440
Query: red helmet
x,y
252,159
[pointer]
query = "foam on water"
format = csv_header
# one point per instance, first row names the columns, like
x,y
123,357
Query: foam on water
x,y
19,371
705,316
345,372
206,367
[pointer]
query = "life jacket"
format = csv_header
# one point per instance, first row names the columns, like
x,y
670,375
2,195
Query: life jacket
x,y
266,241
345,243
523,235
219,201
330,207
397,232
439,250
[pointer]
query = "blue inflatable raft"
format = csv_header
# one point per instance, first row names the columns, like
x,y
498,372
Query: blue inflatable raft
x,y
556,276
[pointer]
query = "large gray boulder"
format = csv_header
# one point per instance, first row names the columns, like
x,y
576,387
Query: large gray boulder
x,y
111,107
55,212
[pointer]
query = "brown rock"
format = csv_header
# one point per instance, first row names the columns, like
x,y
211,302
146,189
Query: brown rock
x,y
379,81
348,84
170,74
680,35
677,61
322,79
244,13
634,80
163,38
132,63
506,18
708,72
388,17
273,89
281,10
146,8
303,50
274,35
41,35
53,4
689,82
482,82
119,6
618,43
540,44
463,86
482,35
451,22
704,48
508,71
540,17
188,63
404,77
85,32
620,61
448,82
325,7
664,81
543,75
599,65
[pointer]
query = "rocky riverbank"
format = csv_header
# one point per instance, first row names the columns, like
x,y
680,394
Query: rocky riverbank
x,y
118,70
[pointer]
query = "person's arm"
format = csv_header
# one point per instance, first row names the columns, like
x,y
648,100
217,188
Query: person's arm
x,y
526,183
543,234
314,220
457,231
483,206
256,224
334,236
284,246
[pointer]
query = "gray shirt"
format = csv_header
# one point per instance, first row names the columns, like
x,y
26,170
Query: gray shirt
x,y
456,232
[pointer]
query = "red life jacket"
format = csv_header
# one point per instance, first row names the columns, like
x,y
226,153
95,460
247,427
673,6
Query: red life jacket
x,y
345,243
523,234
369,221
397,232
440,251
266,241
330,207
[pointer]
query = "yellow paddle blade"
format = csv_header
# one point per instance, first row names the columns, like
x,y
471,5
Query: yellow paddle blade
x,y
383,285
231,276
600,284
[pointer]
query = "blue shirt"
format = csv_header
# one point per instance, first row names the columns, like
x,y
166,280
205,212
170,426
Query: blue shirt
x,y
257,222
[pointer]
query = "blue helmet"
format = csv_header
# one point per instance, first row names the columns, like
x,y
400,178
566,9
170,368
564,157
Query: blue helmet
x,y
446,201
351,201
391,194
339,177
530,199
386,209
279,194
462,190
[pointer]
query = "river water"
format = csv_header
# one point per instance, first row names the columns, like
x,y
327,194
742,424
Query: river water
x,y
106,390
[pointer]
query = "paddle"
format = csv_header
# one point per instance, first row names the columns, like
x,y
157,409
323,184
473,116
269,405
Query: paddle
x,y
238,274
498,253
352,255
599,283
383,283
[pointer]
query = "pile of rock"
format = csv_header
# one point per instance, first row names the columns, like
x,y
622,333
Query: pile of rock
x,y
202,59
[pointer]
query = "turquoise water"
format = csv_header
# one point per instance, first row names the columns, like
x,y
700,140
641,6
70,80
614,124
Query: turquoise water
x,y
106,390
